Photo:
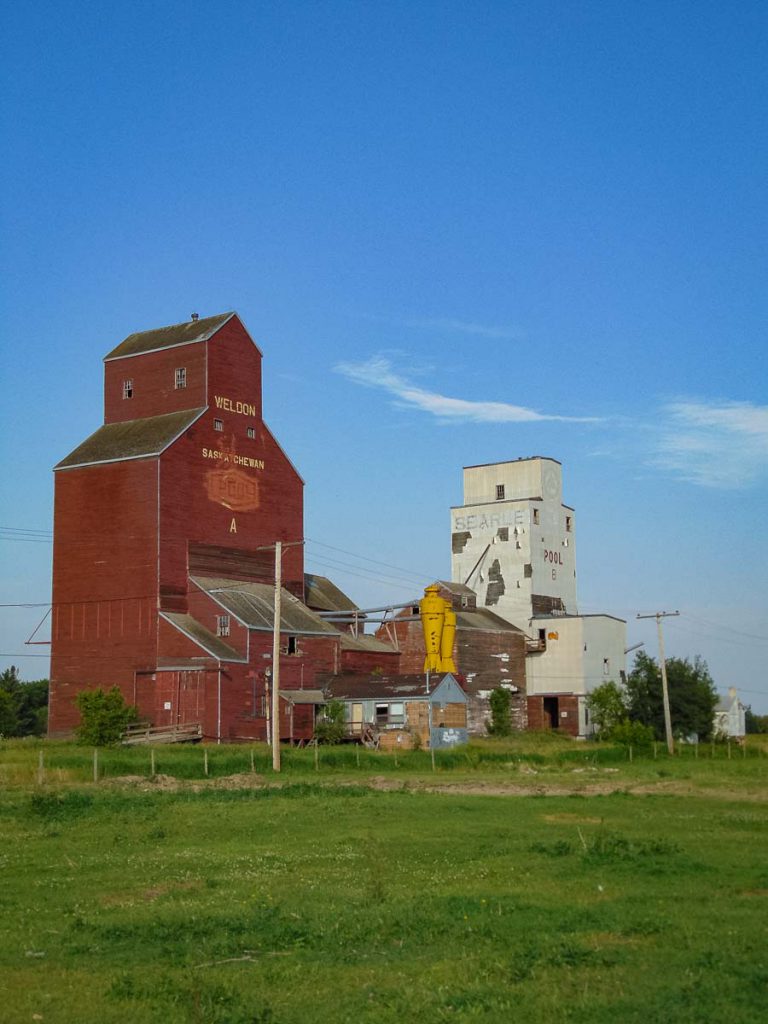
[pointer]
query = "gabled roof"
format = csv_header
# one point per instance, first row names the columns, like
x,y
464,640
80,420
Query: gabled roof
x,y
398,687
483,618
131,439
325,596
365,642
203,637
169,337
460,589
253,604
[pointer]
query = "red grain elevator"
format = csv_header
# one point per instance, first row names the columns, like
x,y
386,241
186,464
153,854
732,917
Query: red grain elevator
x,y
163,521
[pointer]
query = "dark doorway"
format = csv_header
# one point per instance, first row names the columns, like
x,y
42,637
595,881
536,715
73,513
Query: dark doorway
x,y
551,713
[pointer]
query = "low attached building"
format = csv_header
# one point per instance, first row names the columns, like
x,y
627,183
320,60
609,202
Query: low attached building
x,y
489,653
398,711
569,656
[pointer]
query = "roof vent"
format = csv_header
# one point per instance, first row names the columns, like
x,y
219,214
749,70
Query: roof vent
x,y
195,316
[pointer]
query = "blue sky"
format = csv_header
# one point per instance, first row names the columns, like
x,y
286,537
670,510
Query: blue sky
x,y
460,233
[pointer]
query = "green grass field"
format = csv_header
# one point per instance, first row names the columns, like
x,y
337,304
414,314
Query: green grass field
x,y
354,893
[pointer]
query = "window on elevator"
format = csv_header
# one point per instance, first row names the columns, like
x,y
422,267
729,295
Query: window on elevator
x,y
499,492
128,388
180,378
222,625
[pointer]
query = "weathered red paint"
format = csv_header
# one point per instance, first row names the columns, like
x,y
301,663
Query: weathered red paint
x,y
122,533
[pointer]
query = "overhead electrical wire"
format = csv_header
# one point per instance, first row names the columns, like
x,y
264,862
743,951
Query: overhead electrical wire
x,y
375,561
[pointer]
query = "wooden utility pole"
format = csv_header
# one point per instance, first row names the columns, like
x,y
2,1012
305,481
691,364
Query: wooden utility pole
x,y
276,658
664,688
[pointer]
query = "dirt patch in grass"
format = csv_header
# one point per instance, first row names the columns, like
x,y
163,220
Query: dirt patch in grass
x,y
571,819
497,787
243,780
122,899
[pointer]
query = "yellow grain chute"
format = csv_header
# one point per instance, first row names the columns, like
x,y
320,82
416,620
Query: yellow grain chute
x,y
438,621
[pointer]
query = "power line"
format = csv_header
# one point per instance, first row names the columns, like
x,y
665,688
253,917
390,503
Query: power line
x,y
361,570
375,561
730,629
26,529
677,627
24,655
29,540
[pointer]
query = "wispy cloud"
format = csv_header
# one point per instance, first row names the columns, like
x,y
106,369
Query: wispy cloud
x,y
377,372
714,444
463,327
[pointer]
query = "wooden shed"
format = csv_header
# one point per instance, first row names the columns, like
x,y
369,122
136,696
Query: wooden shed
x,y
400,711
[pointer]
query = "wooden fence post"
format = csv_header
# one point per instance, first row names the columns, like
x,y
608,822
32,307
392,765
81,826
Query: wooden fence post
x,y
95,764
253,763
205,760
317,756
152,762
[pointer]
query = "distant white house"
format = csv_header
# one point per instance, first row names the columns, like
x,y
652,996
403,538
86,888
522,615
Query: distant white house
x,y
730,716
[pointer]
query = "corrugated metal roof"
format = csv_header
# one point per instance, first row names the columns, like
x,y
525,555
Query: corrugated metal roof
x,y
167,337
352,687
253,604
304,696
456,588
325,596
484,619
203,637
132,439
365,642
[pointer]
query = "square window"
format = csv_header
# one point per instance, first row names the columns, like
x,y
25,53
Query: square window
x,y
222,625
181,377
291,645
536,516
568,523
128,388
499,492
218,424
251,431
396,714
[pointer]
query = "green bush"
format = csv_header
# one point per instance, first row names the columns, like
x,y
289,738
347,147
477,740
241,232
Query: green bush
x,y
104,716
331,728
630,734
500,724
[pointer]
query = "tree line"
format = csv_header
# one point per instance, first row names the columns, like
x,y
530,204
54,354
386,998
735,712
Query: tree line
x,y
23,705
634,712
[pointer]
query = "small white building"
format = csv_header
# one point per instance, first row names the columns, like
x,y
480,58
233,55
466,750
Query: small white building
x,y
513,541
572,655
730,716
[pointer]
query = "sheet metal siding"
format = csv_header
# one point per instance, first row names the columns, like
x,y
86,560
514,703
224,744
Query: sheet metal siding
x,y
104,582
154,390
